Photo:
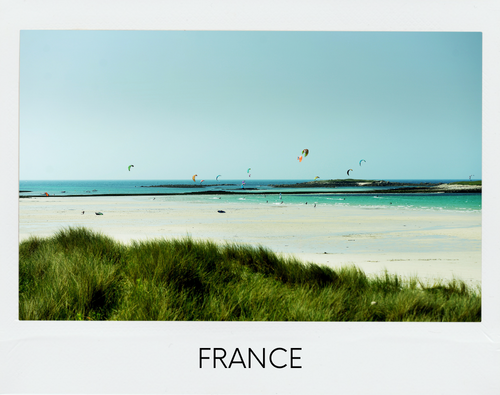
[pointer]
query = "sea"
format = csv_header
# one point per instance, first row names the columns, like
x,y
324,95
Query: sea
x,y
257,191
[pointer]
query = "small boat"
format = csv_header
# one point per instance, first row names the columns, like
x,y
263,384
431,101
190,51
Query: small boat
x,y
99,213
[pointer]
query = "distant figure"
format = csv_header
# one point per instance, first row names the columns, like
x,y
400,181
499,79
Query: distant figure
x,y
314,204
83,212
306,202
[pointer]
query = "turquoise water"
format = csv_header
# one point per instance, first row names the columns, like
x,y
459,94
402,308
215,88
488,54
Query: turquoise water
x,y
257,191
452,201
99,187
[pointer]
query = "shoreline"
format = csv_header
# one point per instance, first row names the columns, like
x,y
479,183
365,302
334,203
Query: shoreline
x,y
427,244
399,188
412,190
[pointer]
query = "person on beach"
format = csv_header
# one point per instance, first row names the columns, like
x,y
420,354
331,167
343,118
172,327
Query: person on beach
x,y
83,212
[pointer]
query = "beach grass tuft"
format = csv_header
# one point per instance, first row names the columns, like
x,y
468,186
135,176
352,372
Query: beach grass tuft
x,y
78,274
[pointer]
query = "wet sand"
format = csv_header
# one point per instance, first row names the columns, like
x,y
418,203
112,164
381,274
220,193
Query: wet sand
x,y
427,243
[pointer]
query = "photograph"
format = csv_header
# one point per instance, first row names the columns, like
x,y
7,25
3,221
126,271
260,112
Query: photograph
x,y
252,197
250,176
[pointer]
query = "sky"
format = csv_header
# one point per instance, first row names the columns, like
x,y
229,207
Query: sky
x,y
178,103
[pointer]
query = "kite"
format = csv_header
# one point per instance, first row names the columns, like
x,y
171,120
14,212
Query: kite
x,y
299,158
362,160
217,178
349,171
194,177
305,151
130,167
201,181
315,178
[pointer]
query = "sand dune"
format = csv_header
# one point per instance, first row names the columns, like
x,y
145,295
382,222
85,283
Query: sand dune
x,y
427,243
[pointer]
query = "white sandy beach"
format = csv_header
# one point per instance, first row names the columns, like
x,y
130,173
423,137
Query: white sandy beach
x,y
427,243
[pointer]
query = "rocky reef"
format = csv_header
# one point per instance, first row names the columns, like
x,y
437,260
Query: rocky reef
x,y
352,183
186,185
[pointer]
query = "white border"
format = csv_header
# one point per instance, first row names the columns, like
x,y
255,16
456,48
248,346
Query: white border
x,y
340,358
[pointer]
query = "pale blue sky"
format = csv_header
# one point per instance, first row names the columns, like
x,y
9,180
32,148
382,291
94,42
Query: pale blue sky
x,y
179,103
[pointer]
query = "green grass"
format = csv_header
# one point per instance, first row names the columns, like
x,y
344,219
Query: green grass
x,y
81,275
467,183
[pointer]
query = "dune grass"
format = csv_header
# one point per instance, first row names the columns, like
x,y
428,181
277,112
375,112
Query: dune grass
x,y
78,274
479,182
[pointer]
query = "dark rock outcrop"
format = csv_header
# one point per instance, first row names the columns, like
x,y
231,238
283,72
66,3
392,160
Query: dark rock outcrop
x,y
352,183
